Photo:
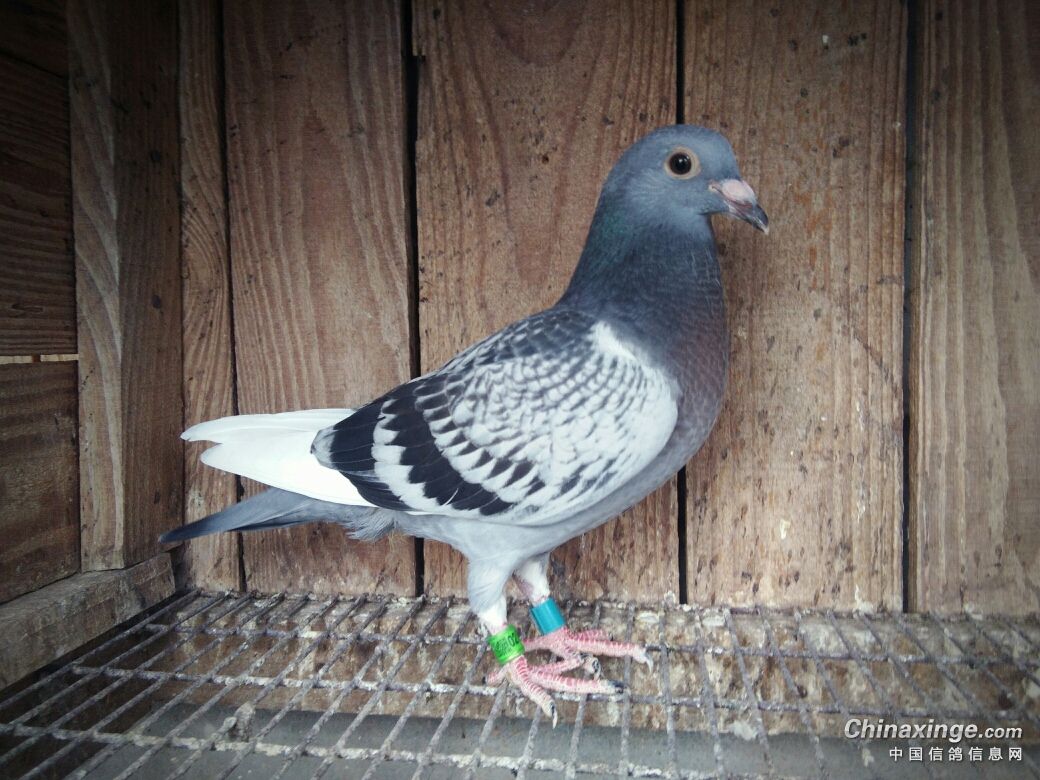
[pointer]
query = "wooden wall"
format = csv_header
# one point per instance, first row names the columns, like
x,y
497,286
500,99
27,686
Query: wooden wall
x,y
296,248
82,132
367,187
39,516
123,80
512,113
797,497
316,138
974,493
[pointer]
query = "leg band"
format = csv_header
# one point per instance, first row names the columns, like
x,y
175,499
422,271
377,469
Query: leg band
x,y
506,644
547,616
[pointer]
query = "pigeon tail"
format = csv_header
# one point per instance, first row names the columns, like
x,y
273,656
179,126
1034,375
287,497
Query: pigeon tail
x,y
276,449
276,508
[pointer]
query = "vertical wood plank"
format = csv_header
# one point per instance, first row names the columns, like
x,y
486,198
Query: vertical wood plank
x,y
796,498
975,356
37,275
123,82
39,513
523,109
210,561
316,142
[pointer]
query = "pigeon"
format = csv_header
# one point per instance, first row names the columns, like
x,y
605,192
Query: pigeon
x,y
542,431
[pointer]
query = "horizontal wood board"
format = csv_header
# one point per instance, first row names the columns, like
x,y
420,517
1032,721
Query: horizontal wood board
x,y
37,271
34,32
42,626
39,500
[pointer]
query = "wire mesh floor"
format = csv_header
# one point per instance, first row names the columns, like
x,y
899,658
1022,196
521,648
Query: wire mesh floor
x,y
229,685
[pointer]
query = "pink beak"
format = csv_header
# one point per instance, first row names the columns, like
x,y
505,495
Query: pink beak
x,y
741,202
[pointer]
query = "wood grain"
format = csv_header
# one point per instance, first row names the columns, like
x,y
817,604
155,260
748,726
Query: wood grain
x,y
211,561
123,83
975,355
37,274
523,109
34,32
40,627
39,502
316,141
796,498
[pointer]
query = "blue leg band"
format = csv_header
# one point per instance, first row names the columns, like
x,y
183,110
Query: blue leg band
x,y
547,616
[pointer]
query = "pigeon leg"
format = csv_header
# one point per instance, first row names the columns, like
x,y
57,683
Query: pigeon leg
x,y
582,646
534,682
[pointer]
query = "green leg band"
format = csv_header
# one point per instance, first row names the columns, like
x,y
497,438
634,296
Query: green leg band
x,y
506,644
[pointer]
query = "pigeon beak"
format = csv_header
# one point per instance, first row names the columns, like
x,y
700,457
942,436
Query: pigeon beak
x,y
741,202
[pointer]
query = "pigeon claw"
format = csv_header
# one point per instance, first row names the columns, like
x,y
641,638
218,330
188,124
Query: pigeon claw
x,y
585,646
535,682
592,665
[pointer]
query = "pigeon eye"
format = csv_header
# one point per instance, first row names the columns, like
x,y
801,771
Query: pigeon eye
x,y
682,164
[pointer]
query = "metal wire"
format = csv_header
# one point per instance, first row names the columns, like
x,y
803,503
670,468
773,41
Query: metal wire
x,y
749,694
225,685
879,690
51,701
118,683
196,684
792,687
711,703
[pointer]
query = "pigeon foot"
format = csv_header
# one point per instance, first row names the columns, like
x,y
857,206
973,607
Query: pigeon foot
x,y
535,682
585,645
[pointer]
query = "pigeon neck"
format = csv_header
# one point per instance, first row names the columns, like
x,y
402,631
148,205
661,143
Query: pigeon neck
x,y
659,283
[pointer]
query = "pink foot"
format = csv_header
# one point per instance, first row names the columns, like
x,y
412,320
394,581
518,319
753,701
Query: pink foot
x,y
583,646
534,682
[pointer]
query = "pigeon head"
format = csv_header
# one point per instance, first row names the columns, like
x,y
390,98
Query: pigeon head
x,y
678,172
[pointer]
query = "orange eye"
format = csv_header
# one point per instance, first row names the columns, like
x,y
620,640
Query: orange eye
x,y
682,164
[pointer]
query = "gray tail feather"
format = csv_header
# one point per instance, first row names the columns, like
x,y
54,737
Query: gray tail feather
x,y
276,508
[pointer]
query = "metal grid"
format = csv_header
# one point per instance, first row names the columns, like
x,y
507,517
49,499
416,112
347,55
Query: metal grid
x,y
225,685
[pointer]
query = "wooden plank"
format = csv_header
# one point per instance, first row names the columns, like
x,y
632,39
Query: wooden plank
x,y
316,141
796,498
37,275
12,359
42,626
34,32
523,109
211,561
39,514
123,81
975,354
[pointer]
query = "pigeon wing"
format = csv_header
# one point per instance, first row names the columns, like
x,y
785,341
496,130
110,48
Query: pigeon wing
x,y
547,416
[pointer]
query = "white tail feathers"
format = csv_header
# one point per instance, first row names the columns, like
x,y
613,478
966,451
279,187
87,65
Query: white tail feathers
x,y
276,449
228,429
